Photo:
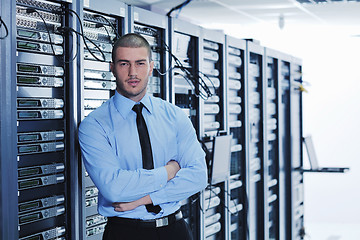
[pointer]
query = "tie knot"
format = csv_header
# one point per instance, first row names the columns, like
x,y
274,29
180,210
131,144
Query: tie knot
x,y
138,108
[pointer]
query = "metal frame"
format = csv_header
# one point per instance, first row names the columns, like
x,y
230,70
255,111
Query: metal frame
x,y
280,230
284,154
296,134
8,128
239,44
254,48
74,115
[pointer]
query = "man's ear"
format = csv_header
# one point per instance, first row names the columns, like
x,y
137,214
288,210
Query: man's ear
x,y
112,68
151,67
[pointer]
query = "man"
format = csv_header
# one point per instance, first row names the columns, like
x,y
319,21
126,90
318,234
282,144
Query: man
x,y
141,203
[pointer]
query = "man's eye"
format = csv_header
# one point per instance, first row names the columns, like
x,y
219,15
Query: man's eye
x,y
124,64
140,63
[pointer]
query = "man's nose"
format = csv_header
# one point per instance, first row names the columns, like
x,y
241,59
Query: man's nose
x,y
132,70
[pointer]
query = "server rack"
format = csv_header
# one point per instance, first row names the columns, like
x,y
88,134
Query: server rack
x,y
43,83
271,155
154,28
255,136
235,71
184,39
297,184
212,122
284,140
212,68
290,131
102,25
8,150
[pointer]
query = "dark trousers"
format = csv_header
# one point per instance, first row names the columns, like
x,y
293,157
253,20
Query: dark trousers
x,y
179,230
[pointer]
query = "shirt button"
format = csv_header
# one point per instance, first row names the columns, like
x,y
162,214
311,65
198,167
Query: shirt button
x,y
161,185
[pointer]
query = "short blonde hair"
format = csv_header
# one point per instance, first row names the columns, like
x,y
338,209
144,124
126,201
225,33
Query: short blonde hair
x,y
131,40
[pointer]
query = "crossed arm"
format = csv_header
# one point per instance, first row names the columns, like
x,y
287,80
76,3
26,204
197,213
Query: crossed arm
x,y
129,189
172,167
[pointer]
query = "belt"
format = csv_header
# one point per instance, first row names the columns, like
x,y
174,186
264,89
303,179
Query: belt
x,y
152,223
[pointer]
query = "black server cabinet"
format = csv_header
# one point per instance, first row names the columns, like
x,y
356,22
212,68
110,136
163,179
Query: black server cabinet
x,y
8,148
290,126
154,28
184,84
296,179
284,143
184,63
255,136
42,122
213,122
102,26
271,155
236,85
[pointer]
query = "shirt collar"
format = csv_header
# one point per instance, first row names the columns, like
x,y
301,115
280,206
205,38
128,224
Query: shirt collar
x,y
124,105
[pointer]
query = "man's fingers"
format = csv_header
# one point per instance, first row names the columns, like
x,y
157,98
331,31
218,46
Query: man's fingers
x,y
122,207
119,207
116,204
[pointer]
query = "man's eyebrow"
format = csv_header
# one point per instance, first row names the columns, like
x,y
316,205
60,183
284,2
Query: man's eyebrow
x,y
123,60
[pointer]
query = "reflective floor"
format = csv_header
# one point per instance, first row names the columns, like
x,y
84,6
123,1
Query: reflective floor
x,y
331,231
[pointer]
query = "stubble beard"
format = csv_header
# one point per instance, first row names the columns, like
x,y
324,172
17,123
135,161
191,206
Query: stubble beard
x,y
129,94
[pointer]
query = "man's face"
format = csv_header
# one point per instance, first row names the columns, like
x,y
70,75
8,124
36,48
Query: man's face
x,y
132,69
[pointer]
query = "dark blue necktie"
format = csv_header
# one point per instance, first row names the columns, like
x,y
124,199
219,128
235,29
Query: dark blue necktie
x,y
147,157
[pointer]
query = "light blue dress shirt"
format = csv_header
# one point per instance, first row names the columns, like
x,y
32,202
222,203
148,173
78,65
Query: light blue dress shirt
x,y
111,153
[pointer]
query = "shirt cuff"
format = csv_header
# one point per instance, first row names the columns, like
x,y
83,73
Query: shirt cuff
x,y
160,178
158,197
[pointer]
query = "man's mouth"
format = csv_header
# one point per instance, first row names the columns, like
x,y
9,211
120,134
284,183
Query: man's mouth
x,y
133,82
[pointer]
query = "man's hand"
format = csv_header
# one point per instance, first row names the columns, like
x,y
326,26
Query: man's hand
x,y
127,206
172,167
124,206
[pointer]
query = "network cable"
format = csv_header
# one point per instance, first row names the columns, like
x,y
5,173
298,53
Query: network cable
x,y
2,23
111,25
178,7
32,10
196,79
81,34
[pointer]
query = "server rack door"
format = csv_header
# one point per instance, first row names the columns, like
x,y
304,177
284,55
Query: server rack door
x,y
212,71
255,137
154,28
103,24
184,39
8,150
284,146
184,63
236,85
212,122
271,183
297,192
73,112
43,83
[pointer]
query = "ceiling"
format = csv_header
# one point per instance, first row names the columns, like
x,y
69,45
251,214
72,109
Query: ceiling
x,y
247,12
